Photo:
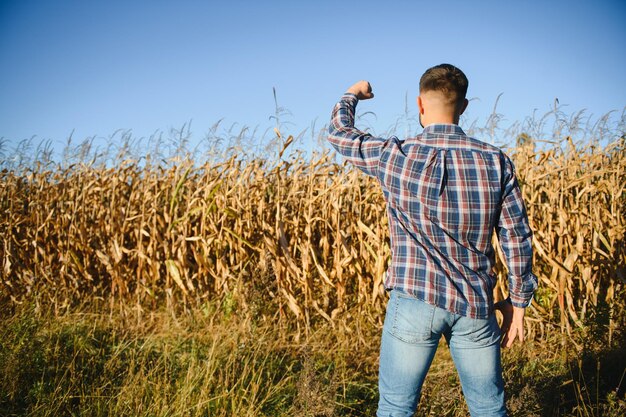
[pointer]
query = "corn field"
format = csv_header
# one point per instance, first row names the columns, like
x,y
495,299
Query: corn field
x,y
296,239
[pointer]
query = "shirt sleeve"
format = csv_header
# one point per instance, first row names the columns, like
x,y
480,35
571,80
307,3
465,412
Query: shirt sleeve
x,y
515,237
359,148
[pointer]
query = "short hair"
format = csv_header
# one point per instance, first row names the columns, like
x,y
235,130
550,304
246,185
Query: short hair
x,y
447,79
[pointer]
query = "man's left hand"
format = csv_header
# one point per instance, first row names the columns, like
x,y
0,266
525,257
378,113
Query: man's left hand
x,y
512,323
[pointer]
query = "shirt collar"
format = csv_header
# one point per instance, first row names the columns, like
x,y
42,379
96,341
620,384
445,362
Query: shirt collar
x,y
443,129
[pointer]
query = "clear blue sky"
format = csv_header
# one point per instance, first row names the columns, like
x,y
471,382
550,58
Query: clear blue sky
x,y
98,66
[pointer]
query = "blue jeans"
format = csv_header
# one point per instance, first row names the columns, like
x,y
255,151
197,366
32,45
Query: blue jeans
x,y
411,334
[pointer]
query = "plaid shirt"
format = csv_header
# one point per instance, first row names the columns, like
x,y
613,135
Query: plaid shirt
x,y
445,193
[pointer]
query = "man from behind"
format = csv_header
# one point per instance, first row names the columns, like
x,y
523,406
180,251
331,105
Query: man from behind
x,y
446,193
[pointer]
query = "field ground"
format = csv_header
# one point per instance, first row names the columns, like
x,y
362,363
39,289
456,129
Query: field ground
x,y
213,361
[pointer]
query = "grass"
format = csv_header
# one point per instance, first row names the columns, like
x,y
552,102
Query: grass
x,y
216,362
98,364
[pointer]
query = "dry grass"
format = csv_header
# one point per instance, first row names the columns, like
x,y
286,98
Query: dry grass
x,y
217,362
203,363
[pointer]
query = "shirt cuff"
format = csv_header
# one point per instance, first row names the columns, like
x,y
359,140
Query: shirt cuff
x,y
521,302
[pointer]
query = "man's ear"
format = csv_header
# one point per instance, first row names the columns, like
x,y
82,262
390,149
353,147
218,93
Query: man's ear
x,y
420,105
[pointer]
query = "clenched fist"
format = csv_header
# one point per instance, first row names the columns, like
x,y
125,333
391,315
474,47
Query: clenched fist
x,y
362,90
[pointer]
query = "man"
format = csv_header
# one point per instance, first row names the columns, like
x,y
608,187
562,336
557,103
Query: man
x,y
446,193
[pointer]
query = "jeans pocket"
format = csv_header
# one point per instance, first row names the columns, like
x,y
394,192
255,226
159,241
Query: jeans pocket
x,y
412,318
485,331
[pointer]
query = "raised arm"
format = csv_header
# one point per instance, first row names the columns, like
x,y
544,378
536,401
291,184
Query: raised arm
x,y
359,148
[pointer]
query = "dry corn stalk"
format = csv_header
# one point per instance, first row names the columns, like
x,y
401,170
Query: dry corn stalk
x,y
305,238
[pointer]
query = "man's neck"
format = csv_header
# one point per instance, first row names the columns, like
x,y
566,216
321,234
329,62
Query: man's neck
x,y
441,119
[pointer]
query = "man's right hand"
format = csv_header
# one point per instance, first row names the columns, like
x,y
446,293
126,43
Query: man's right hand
x,y
362,90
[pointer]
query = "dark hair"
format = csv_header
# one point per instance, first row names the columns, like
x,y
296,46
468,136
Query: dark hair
x,y
447,79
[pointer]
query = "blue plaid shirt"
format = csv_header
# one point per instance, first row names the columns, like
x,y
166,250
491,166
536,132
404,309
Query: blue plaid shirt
x,y
446,193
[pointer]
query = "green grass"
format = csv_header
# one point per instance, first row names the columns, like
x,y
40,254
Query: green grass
x,y
215,362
